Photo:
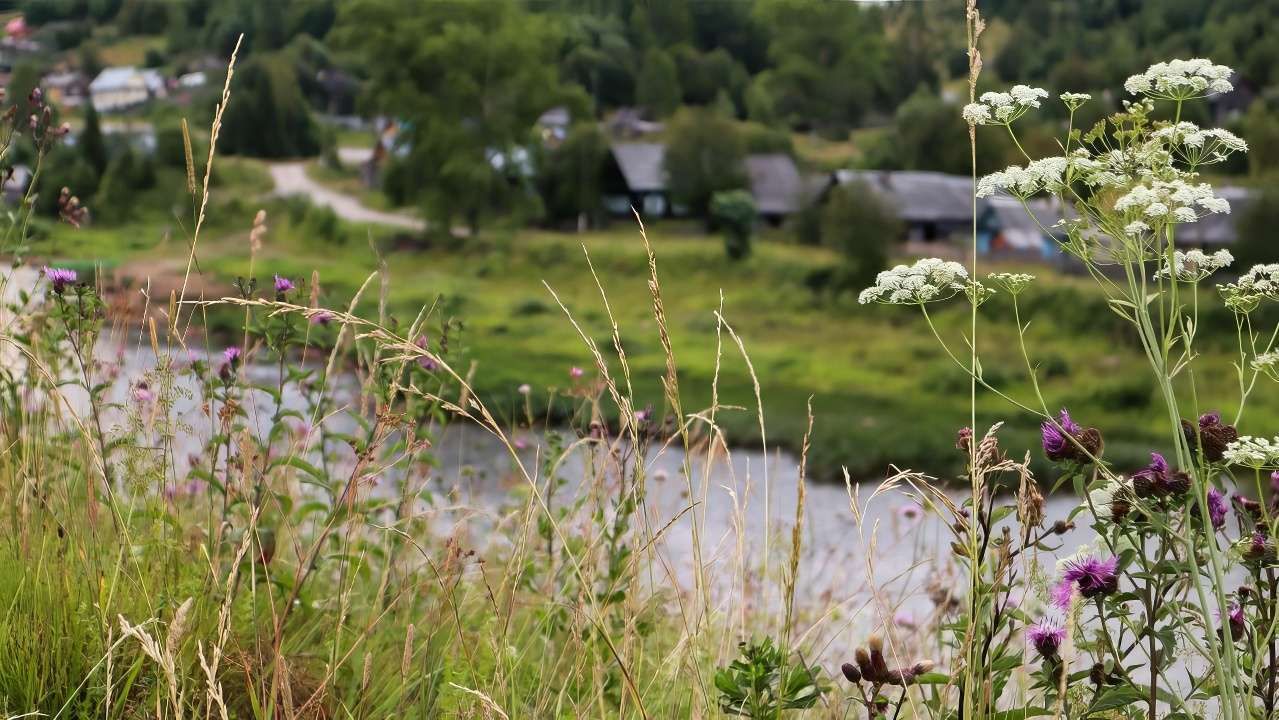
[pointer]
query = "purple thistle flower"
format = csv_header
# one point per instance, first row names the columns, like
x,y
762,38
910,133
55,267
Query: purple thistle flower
x,y
324,317
1093,576
576,372
283,284
60,278
1217,507
1056,440
426,363
1209,419
1062,594
142,392
1236,618
1274,481
1046,636
231,355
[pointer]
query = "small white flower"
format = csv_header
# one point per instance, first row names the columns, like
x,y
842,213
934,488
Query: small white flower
x,y
1003,107
1261,283
1012,283
1253,452
976,114
928,280
1181,80
1267,363
1136,227
1195,265
1103,498
1073,100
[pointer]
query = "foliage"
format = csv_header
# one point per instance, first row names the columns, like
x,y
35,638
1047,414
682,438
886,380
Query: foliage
x,y
90,141
763,683
502,77
862,226
658,85
570,174
271,118
704,155
733,211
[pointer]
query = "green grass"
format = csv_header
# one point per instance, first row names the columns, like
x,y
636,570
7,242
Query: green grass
x,y
870,371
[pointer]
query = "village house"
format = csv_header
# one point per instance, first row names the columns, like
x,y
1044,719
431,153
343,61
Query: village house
x,y
120,88
65,88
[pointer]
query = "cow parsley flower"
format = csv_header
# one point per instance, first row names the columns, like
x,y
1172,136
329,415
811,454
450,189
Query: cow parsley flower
x,y
1045,174
1012,283
1171,201
1181,80
1258,284
1267,363
1253,452
1073,100
1199,146
1195,265
928,280
1002,108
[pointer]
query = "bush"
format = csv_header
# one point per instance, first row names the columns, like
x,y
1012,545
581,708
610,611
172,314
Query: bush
x,y
733,212
863,227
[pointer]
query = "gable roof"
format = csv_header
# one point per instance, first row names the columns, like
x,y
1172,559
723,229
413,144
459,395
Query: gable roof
x,y
919,196
643,165
775,183
114,78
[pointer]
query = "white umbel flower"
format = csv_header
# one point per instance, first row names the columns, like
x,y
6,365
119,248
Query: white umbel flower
x,y
1253,452
1267,363
1073,100
1001,108
1012,283
1199,146
1175,201
1259,284
1195,265
1046,174
928,280
1181,80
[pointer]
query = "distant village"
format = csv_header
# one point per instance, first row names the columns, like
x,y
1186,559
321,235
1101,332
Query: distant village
x,y
935,210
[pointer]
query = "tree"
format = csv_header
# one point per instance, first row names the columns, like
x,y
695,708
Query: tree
x,y
26,77
860,225
658,88
570,177
1261,130
704,154
1257,221
928,134
734,213
267,115
501,75
64,167
90,142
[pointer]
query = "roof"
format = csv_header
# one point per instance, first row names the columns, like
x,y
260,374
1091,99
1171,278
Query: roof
x,y
1018,229
113,78
643,165
919,196
555,116
775,183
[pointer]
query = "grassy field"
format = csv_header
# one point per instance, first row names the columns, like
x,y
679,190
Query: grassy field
x,y
870,371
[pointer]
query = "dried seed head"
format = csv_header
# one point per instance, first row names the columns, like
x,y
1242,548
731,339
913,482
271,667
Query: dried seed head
x,y
851,673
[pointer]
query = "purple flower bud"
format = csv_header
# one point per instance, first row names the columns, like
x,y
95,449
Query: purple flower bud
x,y
60,278
283,284
1046,637
1217,507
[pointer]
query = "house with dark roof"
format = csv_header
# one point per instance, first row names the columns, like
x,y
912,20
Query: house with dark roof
x,y
635,176
1217,230
1005,228
934,206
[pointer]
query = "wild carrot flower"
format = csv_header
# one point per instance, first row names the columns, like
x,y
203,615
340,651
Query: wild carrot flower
x,y
1091,576
1195,265
1261,282
1046,636
1217,508
1073,100
283,284
1253,452
928,280
60,278
1267,363
1181,80
1001,108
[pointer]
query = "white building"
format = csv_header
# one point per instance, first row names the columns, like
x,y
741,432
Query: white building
x,y
120,88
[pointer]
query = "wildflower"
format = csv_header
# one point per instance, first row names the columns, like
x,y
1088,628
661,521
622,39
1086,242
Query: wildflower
x,y
1258,548
904,619
524,389
1234,615
576,372
1181,80
425,361
283,284
1171,201
910,512
1252,452
1012,283
1073,100
1046,636
324,317
1093,577
1212,436
60,278
230,361
964,439
1267,363
928,280
1066,440
142,392
1198,146
643,416
1158,480
1195,265
1260,283
1217,508
1246,509
1044,174
1001,108
872,666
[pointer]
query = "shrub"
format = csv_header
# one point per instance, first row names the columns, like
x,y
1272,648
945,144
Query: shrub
x,y
734,212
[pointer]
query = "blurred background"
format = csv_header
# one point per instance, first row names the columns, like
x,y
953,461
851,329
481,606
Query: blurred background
x,y
779,152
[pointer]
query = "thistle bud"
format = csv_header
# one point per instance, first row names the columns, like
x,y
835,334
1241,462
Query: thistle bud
x,y
851,673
